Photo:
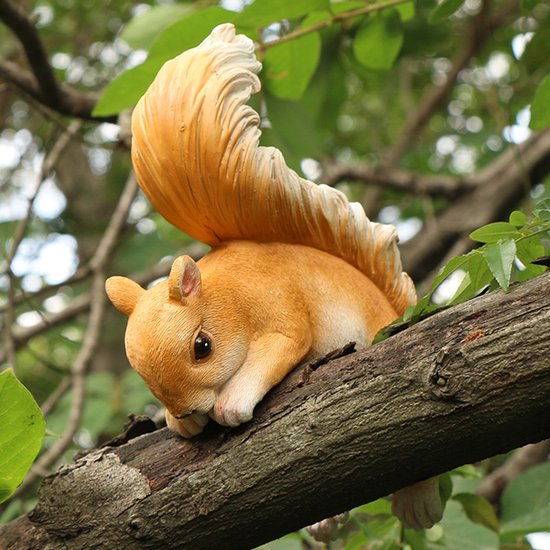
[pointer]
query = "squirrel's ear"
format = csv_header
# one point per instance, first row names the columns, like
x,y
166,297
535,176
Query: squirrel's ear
x,y
124,293
185,279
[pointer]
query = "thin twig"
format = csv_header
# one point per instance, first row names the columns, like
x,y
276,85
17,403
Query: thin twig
x,y
78,382
334,18
23,27
434,97
53,399
47,166
116,225
23,296
92,336
22,335
481,29
9,321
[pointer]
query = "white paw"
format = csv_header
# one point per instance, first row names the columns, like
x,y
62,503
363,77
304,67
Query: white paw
x,y
187,427
232,411
327,529
418,506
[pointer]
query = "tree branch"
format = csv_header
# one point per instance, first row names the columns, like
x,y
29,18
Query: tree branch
x,y
396,178
42,85
23,27
480,30
495,190
521,460
463,385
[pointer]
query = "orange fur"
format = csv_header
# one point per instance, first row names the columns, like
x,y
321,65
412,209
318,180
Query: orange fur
x,y
262,315
296,270
195,149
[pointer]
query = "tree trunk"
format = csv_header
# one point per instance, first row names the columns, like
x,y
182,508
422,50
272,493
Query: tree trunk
x,y
468,383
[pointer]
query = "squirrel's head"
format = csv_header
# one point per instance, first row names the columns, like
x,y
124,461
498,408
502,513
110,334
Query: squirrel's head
x,y
175,339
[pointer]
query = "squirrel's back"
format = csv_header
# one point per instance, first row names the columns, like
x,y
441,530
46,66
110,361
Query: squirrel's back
x,y
197,157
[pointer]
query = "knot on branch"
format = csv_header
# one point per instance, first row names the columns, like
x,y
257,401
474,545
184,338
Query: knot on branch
x,y
445,384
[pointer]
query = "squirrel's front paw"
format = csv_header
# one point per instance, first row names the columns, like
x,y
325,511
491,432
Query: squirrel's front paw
x,y
232,412
187,427
418,506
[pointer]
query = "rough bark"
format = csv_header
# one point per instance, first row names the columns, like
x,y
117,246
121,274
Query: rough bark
x,y
468,383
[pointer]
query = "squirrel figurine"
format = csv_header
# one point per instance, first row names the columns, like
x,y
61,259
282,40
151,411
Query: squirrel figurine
x,y
295,269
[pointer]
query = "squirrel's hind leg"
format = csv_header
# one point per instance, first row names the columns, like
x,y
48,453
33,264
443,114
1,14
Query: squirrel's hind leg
x,y
270,358
418,506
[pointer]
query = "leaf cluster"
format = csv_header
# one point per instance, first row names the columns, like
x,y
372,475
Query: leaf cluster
x,y
288,34
509,253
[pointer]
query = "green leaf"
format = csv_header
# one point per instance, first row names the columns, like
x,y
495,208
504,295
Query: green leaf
x,y
288,67
406,11
518,218
189,32
542,210
423,306
21,431
500,257
125,90
529,249
325,96
444,10
530,272
292,130
415,539
445,487
493,232
459,533
378,40
467,471
540,114
480,275
526,494
478,510
380,507
388,528
288,542
464,291
263,12
534,522
140,32
452,265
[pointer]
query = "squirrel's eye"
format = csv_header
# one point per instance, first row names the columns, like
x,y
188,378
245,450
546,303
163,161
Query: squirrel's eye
x,y
203,346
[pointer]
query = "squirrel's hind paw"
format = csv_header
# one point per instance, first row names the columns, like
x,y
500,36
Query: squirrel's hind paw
x,y
327,529
418,506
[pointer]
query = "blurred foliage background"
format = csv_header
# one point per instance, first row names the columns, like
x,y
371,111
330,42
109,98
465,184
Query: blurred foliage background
x,y
434,116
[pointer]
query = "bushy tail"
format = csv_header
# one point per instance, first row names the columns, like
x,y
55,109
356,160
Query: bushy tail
x,y
196,154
